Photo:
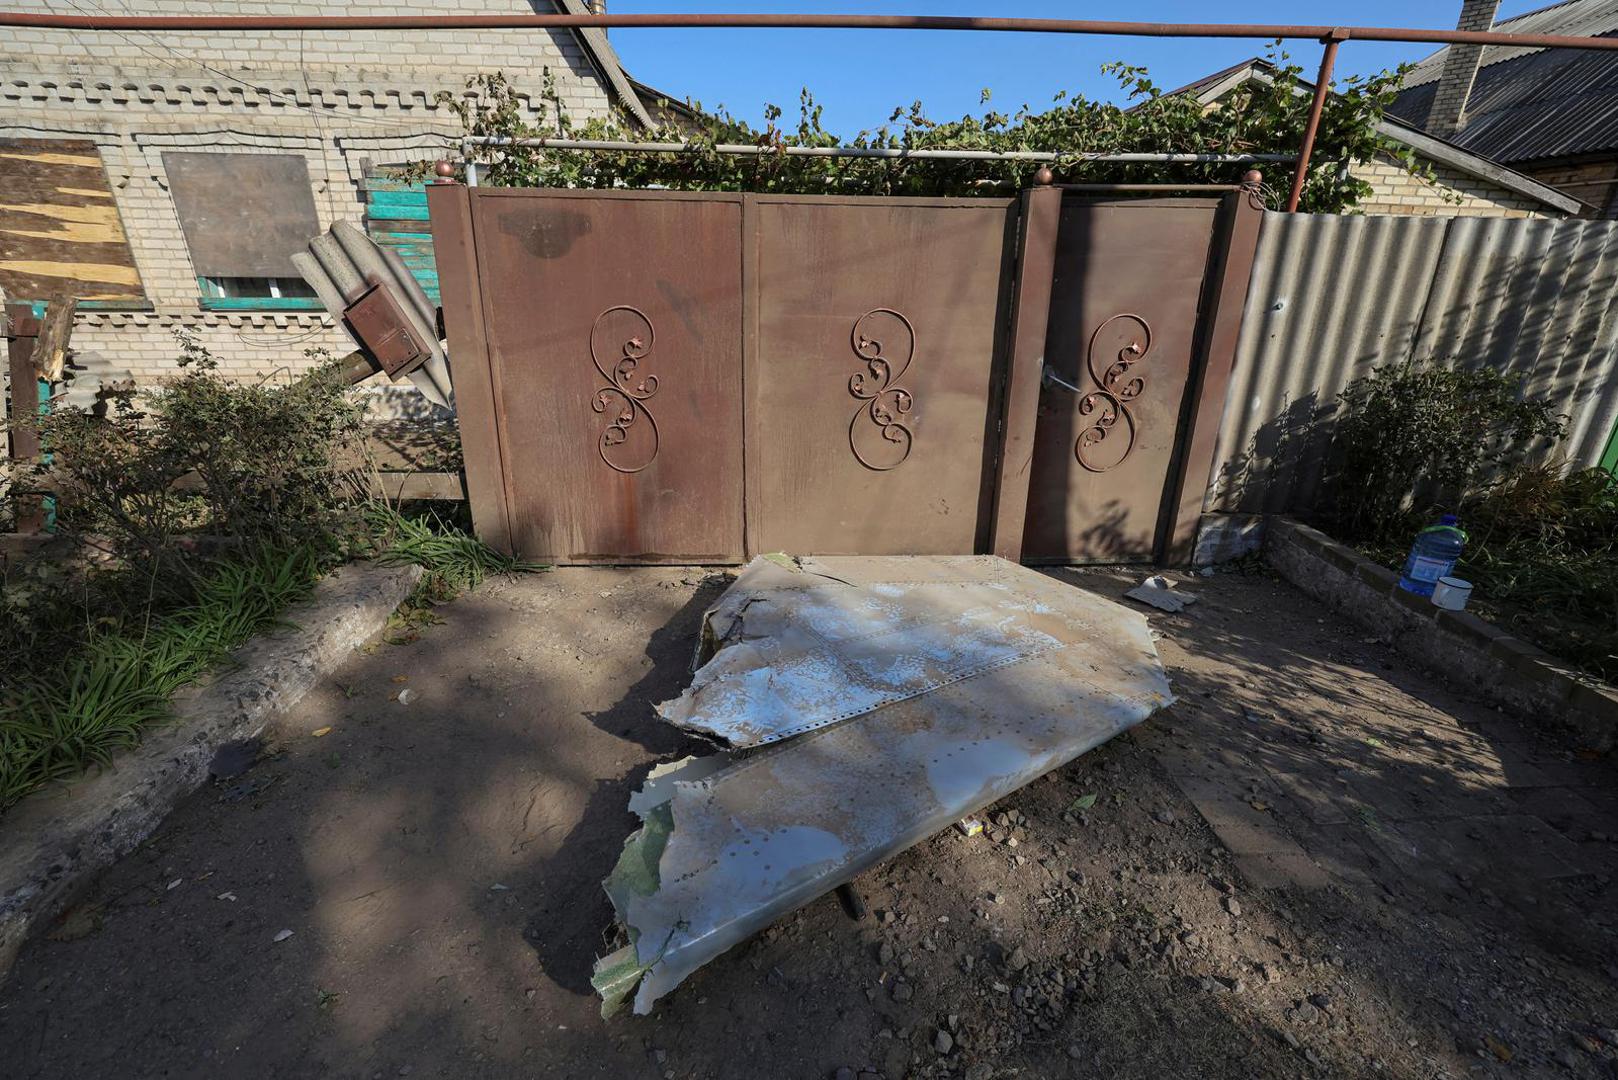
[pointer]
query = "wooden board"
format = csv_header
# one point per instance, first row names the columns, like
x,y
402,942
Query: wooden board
x,y
60,234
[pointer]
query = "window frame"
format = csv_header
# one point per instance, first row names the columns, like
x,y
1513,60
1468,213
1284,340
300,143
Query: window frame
x,y
213,299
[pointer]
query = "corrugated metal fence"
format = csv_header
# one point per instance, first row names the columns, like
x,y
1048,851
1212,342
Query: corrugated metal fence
x,y
1334,296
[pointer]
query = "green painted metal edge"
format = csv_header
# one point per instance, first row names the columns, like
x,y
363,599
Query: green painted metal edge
x,y
261,303
1609,456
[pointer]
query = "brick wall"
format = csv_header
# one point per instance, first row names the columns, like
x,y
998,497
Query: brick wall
x,y
339,99
1450,193
1448,111
1594,182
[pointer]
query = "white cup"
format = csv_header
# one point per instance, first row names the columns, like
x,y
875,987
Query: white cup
x,y
1451,593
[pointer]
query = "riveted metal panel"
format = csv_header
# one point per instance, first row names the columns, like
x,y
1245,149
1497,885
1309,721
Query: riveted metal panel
x,y
1121,345
613,327
873,371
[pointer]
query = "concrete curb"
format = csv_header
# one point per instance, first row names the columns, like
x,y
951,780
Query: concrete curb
x,y
52,842
1468,650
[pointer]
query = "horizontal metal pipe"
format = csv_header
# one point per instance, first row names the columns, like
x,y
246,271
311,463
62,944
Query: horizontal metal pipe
x,y
1105,189
754,150
241,23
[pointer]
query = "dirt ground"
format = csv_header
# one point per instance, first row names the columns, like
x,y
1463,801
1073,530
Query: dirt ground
x,y
1318,863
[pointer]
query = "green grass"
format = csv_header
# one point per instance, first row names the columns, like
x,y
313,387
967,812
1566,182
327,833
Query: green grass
x,y
65,714
64,718
454,560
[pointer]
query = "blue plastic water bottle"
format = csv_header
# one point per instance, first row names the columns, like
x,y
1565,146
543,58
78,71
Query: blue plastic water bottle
x,y
1433,555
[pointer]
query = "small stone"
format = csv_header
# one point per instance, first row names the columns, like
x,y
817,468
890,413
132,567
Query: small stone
x,y
1075,1051
1017,960
943,1041
1584,1042
282,936
1012,841
902,991
1165,816
1320,1001
843,1073
407,695
997,898
1233,906
884,953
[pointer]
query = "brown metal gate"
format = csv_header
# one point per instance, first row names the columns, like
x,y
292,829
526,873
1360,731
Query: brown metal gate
x,y
685,377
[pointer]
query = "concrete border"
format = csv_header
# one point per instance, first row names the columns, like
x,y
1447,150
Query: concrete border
x,y
1468,650
55,840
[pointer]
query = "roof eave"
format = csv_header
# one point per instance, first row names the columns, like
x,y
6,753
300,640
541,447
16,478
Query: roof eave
x,y
1466,161
1428,146
606,59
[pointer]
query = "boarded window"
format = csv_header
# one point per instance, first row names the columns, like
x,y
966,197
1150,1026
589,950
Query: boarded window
x,y
60,234
244,215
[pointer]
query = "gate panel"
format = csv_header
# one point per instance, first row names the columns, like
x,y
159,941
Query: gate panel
x,y
875,344
1122,336
613,324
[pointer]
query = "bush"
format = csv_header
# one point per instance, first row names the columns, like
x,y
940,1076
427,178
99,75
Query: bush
x,y
190,517
1543,554
1415,438
202,457
1259,117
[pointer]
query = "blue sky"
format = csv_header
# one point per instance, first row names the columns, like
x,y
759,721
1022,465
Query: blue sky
x,y
860,75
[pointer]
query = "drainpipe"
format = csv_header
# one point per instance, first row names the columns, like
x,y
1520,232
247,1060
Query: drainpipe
x,y
1447,114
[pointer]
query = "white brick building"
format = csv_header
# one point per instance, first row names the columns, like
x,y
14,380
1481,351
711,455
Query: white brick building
x,y
340,101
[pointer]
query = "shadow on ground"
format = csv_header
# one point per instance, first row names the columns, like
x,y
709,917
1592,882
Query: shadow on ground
x,y
439,866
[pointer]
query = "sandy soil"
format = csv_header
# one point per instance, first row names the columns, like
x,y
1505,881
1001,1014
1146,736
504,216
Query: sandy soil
x,y
1418,887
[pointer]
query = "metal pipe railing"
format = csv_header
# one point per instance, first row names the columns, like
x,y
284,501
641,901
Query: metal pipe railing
x,y
684,20
892,153
1330,36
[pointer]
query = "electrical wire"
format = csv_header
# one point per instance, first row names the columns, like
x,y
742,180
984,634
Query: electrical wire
x,y
176,57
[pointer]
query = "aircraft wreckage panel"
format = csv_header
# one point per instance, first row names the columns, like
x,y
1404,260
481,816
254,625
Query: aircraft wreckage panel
x,y
733,841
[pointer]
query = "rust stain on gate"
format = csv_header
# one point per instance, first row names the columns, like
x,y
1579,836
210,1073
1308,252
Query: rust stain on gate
x,y
701,377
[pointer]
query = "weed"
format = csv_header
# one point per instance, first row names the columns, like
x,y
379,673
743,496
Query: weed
x,y
61,720
453,559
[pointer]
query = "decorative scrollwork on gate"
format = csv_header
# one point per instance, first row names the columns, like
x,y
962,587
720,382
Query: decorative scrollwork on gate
x,y
1108,404
623,399
885,404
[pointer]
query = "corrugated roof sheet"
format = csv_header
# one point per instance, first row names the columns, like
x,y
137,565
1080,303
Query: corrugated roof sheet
x,y
1574,18
1334,296
1551,103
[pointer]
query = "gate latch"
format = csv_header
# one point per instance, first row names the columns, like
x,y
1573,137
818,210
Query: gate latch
x,y
1049,377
